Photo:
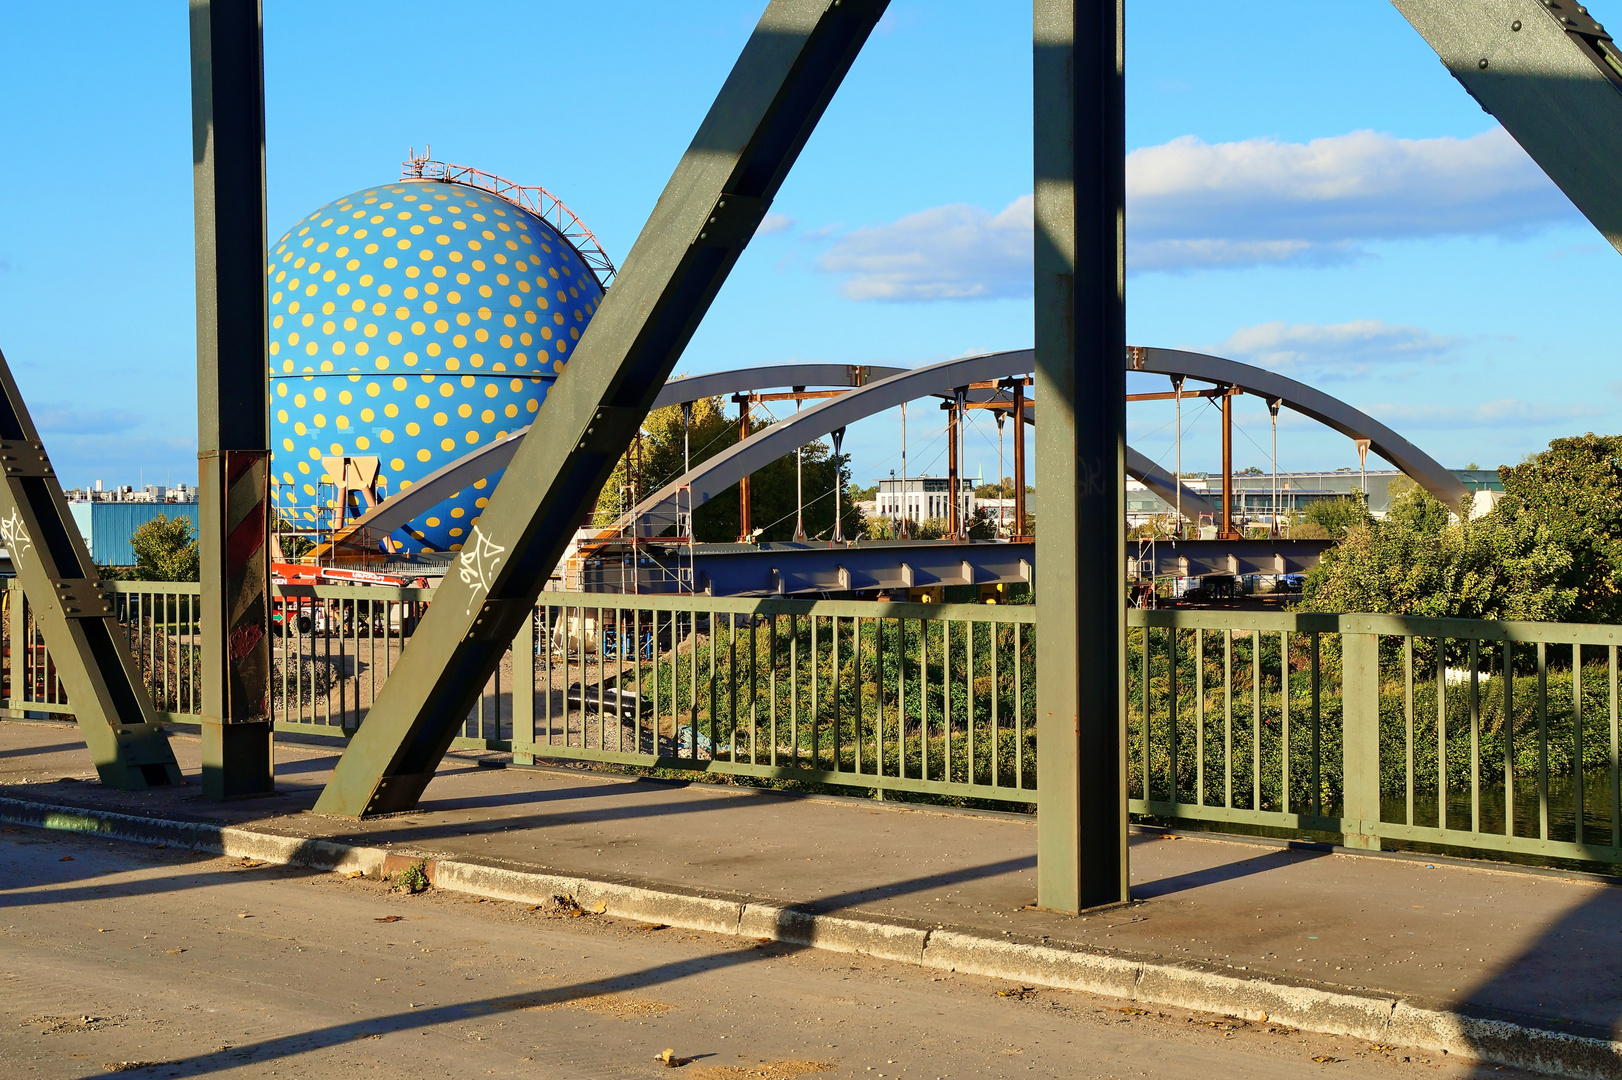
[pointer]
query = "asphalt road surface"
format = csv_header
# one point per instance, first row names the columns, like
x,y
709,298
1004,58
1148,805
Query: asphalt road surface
x,y
149,962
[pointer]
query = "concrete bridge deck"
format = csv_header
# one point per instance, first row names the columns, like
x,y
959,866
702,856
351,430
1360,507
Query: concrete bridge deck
x,y
1539,949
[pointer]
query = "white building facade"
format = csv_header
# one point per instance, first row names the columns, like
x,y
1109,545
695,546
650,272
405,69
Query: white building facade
x,y
920,498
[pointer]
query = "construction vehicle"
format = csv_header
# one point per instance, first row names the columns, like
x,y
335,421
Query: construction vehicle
x,y
309,614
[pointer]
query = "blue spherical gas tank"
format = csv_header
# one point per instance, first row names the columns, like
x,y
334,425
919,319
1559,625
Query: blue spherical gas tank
x,y
414,322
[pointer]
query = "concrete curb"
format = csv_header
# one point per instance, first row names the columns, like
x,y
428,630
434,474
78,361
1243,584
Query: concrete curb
x,y
1374,1017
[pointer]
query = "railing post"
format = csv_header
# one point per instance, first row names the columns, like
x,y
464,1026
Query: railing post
x,y
523,690
17,613
1360,740
1079,143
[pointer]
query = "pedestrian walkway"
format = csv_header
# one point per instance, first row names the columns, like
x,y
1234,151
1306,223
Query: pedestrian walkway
x,y
1540,950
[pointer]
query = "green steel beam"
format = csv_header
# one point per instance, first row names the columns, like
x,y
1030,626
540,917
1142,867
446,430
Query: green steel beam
x,y
233,420
1552,76
767,108
1080,163
72,610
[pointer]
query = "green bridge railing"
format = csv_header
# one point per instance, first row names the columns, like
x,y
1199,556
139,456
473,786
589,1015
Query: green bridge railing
x,y
1492,736
1497,737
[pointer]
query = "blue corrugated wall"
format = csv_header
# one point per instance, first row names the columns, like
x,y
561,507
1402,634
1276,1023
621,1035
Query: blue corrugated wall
x,y
112,524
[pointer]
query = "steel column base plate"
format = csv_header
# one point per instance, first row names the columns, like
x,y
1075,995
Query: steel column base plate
x,y
247,749
142,760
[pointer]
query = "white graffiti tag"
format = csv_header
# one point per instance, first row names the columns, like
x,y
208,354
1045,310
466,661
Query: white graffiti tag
x,y
478,565
15,535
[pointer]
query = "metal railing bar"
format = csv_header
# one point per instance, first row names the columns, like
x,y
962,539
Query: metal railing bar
x,y
1199,716
1408,725
1509,738
1543,741
1227,719
1475,738
1577,740
1283,720
1255,720
1317,726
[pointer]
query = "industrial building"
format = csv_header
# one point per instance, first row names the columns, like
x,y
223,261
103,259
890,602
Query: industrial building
x,y
108,526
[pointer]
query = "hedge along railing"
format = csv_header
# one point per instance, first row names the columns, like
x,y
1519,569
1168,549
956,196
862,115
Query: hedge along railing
x,y
934,698
907,697
1497,736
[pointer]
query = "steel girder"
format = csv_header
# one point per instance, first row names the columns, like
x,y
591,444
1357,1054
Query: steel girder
x,y
714,475
883,388
442,483
87,647
1549,73
789,70
1080,289
233,420
1423,469
747,380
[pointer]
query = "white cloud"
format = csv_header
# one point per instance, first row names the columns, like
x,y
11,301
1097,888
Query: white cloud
x,y
1503,413
1336,350
73,420
1192,204
774,223
956,252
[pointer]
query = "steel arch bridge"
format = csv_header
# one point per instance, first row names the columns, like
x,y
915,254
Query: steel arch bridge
x,y
875,389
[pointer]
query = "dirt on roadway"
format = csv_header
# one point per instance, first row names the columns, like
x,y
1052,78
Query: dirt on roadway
x,y
152,962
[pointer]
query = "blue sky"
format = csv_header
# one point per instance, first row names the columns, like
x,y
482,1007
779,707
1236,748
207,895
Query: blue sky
x,y
1343,213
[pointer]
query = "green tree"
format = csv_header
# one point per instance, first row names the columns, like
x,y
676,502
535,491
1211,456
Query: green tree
x,y
1414,506
879,528
1331,519
1157,526
1574,489
981,525
165,550
1003,490
1501,566
658,460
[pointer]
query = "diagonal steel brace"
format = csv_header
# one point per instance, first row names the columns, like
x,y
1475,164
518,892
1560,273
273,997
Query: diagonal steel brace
x,y
794,61
73,611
